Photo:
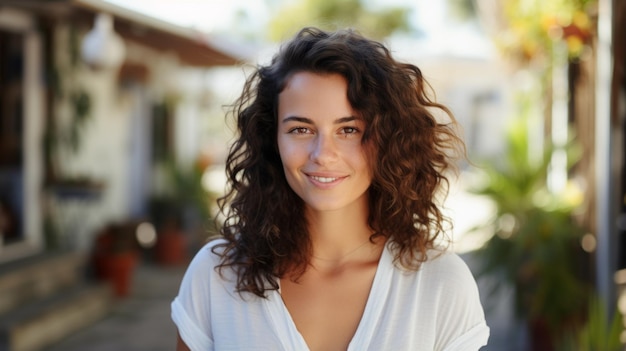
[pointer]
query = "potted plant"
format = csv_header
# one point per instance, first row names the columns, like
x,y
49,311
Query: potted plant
x,y
535,248
179,212
115,256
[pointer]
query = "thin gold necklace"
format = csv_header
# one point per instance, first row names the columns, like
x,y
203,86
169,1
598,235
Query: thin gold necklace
x,y
342,257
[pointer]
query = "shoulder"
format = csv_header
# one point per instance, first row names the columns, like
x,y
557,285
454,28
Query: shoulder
x,y
442,264
209,254
460,318
212,250
203,266
458,287
444,276
449,275
444,293
447,263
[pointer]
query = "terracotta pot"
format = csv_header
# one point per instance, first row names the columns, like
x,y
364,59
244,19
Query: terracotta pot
x,y
540,336
117,269
171,248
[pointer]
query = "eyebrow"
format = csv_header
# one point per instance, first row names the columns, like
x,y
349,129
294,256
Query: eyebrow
x,y
310,121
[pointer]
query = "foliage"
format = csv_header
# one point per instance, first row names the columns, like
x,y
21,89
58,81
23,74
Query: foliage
x,y
66,133
462,9
597,333
535,245
189,188
185,191
535,26
331,14
67,88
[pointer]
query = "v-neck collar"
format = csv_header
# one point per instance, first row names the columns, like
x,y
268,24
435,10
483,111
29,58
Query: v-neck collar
x,y
290,337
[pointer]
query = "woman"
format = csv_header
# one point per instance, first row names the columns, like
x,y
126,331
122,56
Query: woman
x,y
331,240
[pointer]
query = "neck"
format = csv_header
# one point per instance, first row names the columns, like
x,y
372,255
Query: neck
x,y
338,235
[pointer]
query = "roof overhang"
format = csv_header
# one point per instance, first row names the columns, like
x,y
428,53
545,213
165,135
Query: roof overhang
x,y
193,48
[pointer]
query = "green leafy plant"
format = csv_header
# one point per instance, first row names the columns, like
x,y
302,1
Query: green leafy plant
x,y
329,14
184,196
64,133
598,333
535,247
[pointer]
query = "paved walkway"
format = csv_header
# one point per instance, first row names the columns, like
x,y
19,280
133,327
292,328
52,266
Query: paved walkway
x,y
139,322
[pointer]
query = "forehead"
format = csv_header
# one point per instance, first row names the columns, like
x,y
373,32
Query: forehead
x,y
310,81
308,94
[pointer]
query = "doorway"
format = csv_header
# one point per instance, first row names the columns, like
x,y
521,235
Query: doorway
x,y
11,138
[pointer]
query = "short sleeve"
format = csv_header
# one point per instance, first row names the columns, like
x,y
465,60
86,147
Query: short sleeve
x,y
191,308
461,319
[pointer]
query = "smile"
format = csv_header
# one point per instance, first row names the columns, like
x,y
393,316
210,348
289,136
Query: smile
x,y
324,179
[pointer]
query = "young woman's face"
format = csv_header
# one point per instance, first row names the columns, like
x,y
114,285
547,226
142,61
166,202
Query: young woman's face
x,y
319,140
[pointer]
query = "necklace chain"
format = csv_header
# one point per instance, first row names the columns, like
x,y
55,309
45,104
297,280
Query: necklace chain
x,y
344,256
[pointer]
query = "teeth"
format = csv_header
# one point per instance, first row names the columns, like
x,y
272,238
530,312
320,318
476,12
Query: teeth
x,y
324,179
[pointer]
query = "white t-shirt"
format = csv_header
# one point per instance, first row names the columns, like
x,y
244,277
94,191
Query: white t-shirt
x,y
434,308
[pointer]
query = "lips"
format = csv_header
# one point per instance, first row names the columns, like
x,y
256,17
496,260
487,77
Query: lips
x,y
324,179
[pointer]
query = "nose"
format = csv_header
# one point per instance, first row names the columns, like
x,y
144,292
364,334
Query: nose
x,y
324,150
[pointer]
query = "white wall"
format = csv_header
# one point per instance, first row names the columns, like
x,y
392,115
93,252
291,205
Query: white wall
x,y
115,141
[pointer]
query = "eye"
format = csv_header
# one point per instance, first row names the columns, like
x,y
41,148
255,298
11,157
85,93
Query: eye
x,y
299,130
349,130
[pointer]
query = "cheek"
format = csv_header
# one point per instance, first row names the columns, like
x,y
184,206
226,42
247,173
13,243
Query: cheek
x,y
289,163
280,143
289,154
369,158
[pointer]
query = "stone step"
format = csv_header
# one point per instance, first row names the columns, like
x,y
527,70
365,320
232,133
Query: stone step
x,y
35,277
48,320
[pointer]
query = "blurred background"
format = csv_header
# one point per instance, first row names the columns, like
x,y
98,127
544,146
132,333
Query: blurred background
x,y
113,137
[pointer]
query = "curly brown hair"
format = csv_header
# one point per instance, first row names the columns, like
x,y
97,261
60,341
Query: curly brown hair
x,y
265,230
